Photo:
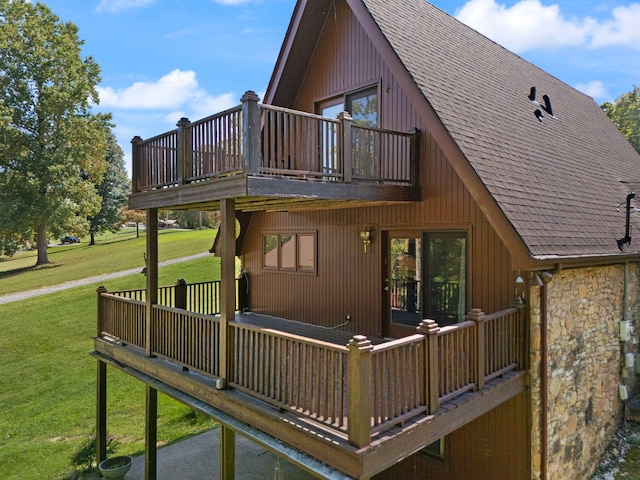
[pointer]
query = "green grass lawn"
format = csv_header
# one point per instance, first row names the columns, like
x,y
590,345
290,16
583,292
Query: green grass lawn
x,y
111,253
47,386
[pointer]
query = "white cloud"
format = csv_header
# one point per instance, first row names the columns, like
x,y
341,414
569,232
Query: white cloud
x,y
169,92
622,30
115,6
176,94
594,89
529,25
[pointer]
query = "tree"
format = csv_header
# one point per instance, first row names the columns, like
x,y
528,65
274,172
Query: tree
x,y
113,191
133,216
625,113
50,142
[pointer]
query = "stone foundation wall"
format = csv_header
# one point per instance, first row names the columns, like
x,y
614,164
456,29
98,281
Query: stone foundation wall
x,y
585,367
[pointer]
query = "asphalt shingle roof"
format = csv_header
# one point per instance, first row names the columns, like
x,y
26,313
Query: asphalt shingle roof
x,y
558,181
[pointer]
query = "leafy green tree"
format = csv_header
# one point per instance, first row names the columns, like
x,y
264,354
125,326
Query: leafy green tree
x,y
50,142
625,113
9,244
113,189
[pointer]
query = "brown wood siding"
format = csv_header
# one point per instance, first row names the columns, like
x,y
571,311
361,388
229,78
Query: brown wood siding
x,y
349,282
491,447
345,59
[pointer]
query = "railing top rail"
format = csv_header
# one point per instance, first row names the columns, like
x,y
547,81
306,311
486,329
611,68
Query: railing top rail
x,y
501,313
291,336
160,136
298,113
121,299
458,326
398,343
237,108
382,130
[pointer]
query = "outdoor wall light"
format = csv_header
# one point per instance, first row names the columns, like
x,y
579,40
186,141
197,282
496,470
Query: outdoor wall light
x,y
519,285
366,235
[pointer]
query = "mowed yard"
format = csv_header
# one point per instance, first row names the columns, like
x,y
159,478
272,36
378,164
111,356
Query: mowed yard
x,y
47,377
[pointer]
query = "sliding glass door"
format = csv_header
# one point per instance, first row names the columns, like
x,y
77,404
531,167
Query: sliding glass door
x,y
426,278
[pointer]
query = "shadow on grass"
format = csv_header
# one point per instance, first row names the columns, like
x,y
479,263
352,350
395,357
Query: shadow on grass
x,y
18,271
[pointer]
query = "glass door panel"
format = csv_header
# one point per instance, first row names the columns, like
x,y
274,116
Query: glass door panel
x,y
405,283
329,136
426,279
445,302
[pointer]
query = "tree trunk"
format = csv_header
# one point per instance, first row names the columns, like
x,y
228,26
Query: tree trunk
x,y
93,239
41,241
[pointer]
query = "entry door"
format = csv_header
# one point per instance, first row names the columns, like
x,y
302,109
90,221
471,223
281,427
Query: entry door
x,y
425,277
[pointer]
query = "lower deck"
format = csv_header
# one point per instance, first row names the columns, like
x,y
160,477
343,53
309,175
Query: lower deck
x,y
341,401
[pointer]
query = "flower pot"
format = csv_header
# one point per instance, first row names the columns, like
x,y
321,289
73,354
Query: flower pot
x,y
115,467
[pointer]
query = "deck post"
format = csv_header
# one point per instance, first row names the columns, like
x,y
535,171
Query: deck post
x,y
136,163
152,277
250,132
180,297
359,363
151,434
100,290
184,150
227,453
430,329
478,316
345,147
101,412
414,168
227,285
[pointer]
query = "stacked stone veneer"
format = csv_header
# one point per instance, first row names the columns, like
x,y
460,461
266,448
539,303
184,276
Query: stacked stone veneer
x,y
585,366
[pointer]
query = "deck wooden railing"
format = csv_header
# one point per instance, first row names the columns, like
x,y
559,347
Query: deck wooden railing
x,y
198,297
267,364
356,389
265,140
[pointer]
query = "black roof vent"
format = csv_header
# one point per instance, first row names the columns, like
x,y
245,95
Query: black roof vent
x,y
547,105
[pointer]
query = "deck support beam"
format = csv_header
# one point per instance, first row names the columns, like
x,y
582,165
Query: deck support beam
x,y
227,284
151,270
227,453
151,434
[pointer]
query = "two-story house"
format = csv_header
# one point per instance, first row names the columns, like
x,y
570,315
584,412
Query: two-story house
x,y
440,271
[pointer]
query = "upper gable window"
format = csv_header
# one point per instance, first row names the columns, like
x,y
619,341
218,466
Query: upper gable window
x,y
361,104
363,107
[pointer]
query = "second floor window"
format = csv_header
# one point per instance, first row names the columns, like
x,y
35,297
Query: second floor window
x,y
361,104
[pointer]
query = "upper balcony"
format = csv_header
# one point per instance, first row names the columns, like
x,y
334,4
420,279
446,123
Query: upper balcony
x,y
267,157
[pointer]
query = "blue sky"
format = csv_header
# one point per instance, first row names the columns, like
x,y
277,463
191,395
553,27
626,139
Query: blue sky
x,y
165,59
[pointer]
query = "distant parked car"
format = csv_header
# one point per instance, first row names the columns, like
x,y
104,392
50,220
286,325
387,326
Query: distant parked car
x,y
70,239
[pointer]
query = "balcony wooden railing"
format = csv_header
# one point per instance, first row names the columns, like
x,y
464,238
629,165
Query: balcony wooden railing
x,y
265,140
357,389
